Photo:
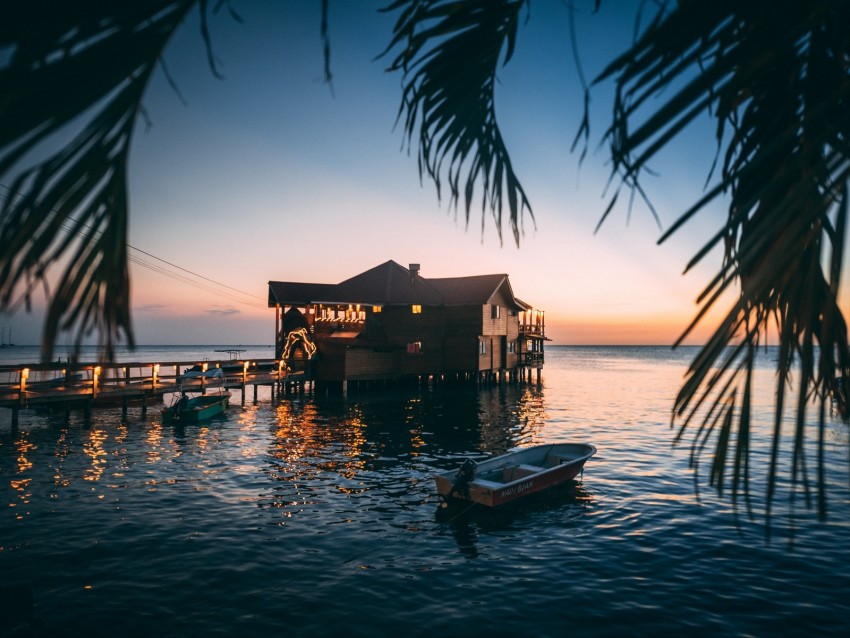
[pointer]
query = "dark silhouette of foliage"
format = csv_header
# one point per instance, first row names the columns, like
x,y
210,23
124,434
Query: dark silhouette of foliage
x,y
774,78
772,74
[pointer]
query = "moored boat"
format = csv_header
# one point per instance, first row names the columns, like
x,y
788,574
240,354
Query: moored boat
x,y
201,407
195,409
516,475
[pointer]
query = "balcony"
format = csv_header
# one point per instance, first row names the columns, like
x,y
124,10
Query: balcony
x,y
531,359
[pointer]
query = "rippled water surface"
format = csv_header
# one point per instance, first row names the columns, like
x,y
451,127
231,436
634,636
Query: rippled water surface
x,y
317,516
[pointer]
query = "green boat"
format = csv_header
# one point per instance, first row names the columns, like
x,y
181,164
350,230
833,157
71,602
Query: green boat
x,y
195,409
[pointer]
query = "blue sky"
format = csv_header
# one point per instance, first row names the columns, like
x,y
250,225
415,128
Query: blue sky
x,y
270,174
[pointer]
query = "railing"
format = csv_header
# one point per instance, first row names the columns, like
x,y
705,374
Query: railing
x,y
538,328
531,359
55,382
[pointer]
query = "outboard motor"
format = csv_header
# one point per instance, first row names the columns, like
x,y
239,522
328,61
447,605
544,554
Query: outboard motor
x,y
180,405
464,475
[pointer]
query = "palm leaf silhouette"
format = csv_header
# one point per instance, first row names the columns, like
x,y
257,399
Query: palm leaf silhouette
x,y
774,77
449,53
72,86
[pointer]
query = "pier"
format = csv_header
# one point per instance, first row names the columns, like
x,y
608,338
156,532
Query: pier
x,y
84,386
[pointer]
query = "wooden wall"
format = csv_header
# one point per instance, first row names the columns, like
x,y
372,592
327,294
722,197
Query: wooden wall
x,y
450,338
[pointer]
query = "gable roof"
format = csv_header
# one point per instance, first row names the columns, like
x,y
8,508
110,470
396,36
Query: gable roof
x,y
465,290
388,284
292,292
392,284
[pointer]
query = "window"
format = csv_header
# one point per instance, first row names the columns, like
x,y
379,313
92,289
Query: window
x,y
482,347
495,311
414,347
377,309
416,309
512,347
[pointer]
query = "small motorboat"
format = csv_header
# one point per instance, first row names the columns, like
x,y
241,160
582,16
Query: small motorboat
x,y
200,407
195,409
507,478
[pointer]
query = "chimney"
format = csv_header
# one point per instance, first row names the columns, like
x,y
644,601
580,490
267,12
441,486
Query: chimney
x,y
414,270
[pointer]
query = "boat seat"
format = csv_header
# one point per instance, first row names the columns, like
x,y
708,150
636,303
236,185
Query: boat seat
x,y
555,459
507,475
531,469
516,472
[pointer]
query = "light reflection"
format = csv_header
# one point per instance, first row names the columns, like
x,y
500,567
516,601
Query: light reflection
x,y
60,453
202,439
93,448
413,420
154,440
121,433
511,418
248,447
24,447
312,451
20,485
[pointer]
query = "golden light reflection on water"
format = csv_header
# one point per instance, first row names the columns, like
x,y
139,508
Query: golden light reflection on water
x,y
512,420
414,425
531,415
20,485
93,448
24,447
60,453
249,448
120,434
308,447
154,441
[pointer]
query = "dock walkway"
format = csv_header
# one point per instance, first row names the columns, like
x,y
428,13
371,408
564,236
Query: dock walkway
x,y
92,385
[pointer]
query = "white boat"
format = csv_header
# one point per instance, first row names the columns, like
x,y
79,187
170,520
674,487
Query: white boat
x,y
512,476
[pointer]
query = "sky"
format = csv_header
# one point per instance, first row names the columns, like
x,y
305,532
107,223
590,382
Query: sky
x,y
271,174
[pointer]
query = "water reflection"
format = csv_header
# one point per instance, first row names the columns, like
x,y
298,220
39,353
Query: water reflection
x,y
93,448
374,449
330,504
470,525
311,448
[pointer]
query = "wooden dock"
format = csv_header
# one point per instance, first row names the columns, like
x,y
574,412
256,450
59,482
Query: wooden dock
x,y
90,385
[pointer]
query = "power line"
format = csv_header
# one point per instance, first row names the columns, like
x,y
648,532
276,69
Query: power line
x,y
195,274
164,271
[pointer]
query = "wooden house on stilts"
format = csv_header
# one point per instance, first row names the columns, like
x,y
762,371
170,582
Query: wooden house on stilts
x,y
392,324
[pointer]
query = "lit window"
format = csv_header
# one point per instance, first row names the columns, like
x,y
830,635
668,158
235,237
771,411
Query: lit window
x,y
377,309
414,347
416,309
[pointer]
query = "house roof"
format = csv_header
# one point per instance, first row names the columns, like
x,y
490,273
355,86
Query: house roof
x,y
292,292
392,284
475,289
388,284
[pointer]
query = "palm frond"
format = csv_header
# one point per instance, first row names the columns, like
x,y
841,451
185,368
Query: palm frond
x,y
72,88
72,77
449,52
774,76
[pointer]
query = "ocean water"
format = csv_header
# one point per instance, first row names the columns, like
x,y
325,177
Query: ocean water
x,y
317,516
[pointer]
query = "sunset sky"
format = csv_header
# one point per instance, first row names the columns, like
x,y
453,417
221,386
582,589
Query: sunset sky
x,y
270,174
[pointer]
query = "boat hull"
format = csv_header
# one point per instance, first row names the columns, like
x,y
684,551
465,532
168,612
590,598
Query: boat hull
x,y
517,475
197,409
